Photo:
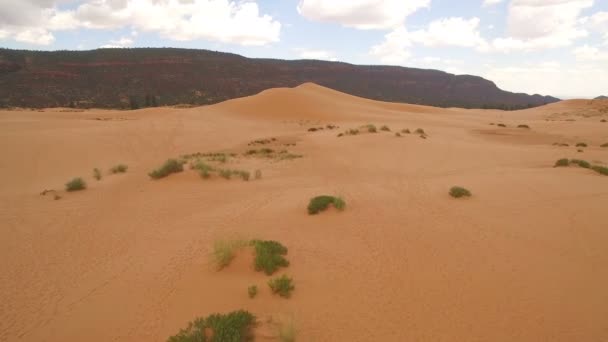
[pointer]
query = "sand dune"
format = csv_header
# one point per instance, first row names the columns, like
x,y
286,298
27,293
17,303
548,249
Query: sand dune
x,y
128,258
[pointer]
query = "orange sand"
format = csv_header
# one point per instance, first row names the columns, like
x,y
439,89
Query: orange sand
x,y
524,259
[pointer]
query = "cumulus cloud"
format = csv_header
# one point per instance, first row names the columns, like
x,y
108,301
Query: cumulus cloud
x,y
487,3
588,53
394,48
361,14
316,54
215,20
123,42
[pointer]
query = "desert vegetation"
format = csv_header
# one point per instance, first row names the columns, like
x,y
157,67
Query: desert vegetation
x,y
75,184
565,162
283,286
235,326
501,125
385,128
120,168
225,250
458,192
169,167
96,174
252,291
604,145
523,126
269,256
581,144
321,203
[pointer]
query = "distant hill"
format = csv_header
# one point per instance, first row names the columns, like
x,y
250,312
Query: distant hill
x,y
602,97
130,78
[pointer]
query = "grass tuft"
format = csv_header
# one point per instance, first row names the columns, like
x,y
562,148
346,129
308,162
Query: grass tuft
x,y
419,131
252,291
120,168
405,131
224,251
321,203
581,144
562,162
75,184
258,174
501,125
96,174
269,256
385,128
523,126
169,167
282,286
235,326
458,192
371,128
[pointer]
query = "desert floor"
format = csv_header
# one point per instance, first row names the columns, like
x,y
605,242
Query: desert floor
x,y
128,259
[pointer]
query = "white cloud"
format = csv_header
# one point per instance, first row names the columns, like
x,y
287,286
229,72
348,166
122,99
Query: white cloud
x,y
487,3
588,53
361,14
316,54
394,49
34,36
118,43
237,22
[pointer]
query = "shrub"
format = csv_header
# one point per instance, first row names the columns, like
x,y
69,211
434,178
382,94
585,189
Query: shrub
x,y
75,184
405,131
282,286
371,128
604,145
398,135
258,174
419,131
252,291
226,174
581,144
287,331
523,126
353,131
457,192
339,203
579,150
582,163
600,169
245,175
169,167
235,326
120,168
385,128
96,174
269,256
340,135
224,251
562,162
320,203
603,120
501,125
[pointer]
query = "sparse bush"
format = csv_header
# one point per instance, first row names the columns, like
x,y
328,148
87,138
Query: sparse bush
x,y
320,203
604,145
120,168
600,169
282,286
419,131
603,120
287,331
96,174
579,150
169,167
269,256
371,128
340,135
405,131
523,126
245,175
385,128
252,291
75,184
457,192
224,251
258,174
581,144
226,173
501,125
235,326
398,135
582,163
562,162
353,131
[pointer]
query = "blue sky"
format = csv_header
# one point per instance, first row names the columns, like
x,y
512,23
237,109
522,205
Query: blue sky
x,y
555,47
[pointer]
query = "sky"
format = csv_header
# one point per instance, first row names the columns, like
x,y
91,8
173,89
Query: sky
x,y
549,47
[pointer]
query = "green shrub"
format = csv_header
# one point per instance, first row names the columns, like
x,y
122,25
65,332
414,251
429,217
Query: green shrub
x,y
523,126
287,331
235,326
252,291
385,128
600,169
320,203
581,144
501,125
120,168
457,192
224,251
96,174
75,184
562,162
169,167
582,163
269,256
371,128
282,286
419,131
258,174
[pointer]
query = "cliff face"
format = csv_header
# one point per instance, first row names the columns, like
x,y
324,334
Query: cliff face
x,y
123,78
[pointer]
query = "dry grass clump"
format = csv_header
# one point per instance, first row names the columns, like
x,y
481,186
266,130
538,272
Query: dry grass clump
x,y
225,250
501,125
458,192
523,126
169,167
96,174
75,184
120,168
385,128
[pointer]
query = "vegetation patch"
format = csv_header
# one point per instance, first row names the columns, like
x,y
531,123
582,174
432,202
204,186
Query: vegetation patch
x,y
96,174
321,203
258,174
252,291
562,162
371,128
75,184
419,131
405,131
600,169
235,326
224,251
581,144
385,128
458,192
269,256
169,167
501,125
282,286
120,168
582,163
523,126
604,145
398,135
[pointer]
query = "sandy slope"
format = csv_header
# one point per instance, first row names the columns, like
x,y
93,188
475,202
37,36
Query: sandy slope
x,y
127,259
